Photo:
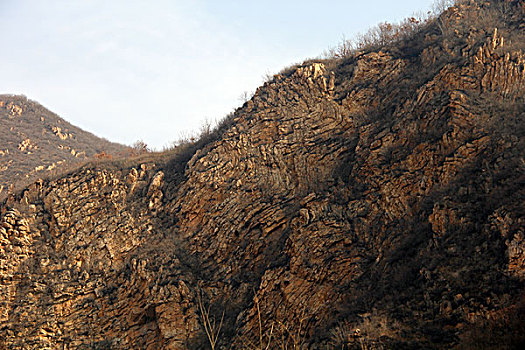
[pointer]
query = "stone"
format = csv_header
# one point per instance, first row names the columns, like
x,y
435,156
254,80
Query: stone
x,y
350,200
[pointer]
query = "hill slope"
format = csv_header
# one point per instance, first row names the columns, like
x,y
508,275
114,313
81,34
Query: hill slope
x,y
35,141
374,201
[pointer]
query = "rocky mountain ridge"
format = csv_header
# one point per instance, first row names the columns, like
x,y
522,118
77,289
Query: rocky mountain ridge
x,y
37,143
374,201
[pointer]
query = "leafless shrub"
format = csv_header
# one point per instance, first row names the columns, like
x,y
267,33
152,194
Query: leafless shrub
x,y
140,147
282,334
267,76
440,6
246,96
183,149
345,48
342,335
367,334
503,330
504,9
265,338
206,128
383,34
211,326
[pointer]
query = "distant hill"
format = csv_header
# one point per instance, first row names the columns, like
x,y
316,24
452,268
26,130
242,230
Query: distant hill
x,y
35,142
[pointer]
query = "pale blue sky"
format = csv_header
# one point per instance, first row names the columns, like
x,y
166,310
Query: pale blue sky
x,y
153,69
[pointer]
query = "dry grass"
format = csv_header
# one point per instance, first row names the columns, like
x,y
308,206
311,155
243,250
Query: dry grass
x,y
280,333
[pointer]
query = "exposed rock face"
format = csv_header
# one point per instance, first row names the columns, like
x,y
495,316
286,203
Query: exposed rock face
x,y
26,146
58,132
376,199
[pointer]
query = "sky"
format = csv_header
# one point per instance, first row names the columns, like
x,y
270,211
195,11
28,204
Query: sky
x,y
156,70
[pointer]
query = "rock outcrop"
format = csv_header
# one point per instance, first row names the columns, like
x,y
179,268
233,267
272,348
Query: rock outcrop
x,y
374,201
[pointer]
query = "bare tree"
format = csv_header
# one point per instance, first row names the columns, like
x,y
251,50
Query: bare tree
x,y
140,147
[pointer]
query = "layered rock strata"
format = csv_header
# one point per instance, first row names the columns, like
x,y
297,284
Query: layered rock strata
x,y
372,201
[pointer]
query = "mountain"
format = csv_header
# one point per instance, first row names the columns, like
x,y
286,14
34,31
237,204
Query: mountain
x,y
372,201
36,142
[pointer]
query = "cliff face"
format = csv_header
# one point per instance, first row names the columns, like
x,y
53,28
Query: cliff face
x,y
371,201
37,143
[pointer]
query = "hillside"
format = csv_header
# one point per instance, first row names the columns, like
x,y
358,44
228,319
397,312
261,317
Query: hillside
x,y
35,142
372,201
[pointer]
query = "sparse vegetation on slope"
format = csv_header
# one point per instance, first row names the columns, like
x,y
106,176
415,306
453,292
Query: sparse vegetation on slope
x,y
37,143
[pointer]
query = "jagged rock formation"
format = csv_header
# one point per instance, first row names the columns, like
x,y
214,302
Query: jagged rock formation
x,y
371,201
35,141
